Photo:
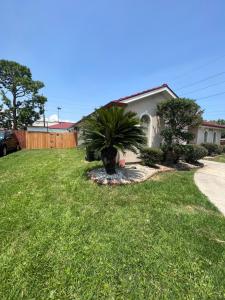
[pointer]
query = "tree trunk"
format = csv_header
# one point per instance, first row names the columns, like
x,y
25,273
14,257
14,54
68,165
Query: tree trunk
x,y
108,156
14,113
170,157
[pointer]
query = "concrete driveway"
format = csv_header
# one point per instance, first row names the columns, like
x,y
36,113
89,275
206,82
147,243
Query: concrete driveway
x,y
211,181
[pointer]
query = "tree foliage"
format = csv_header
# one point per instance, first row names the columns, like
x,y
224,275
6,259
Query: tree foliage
x,y
108,130
178,115
21,104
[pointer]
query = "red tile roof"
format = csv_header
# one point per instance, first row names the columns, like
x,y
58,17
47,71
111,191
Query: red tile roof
x,y
164,85
119,103
62,125
212,124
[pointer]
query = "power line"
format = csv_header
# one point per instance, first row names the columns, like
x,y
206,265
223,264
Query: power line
x,y
69,104
214,111
206,87
202,80
199,67
211,96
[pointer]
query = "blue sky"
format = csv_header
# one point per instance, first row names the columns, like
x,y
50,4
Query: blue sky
x,y
90,52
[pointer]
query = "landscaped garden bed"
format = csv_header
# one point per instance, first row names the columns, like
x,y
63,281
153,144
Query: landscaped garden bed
x,y
135,173
129,174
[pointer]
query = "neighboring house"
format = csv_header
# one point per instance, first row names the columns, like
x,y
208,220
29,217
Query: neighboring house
x,y
62,127
53,127
208,132
40,126
37,128
145,105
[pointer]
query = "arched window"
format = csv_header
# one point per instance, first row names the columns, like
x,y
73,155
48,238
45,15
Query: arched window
x,y
214,138
145,122
205,136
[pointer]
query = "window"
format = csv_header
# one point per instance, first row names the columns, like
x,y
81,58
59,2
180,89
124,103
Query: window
x,y
214,138
205,136
145,122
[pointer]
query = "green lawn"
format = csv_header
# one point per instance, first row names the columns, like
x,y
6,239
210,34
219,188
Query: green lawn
x,y
220,158
64,237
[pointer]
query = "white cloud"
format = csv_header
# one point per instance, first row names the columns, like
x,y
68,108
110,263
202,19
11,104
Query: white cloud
x,y
52,118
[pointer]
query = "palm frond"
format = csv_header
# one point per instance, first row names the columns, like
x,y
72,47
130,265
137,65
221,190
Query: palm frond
x,y
113,127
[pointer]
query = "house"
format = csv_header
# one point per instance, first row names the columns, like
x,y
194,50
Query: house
x,y
208,132
52,127
145,105
62,127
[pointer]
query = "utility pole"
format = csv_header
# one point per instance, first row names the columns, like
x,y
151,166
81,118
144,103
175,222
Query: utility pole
x,y
59,108
44,115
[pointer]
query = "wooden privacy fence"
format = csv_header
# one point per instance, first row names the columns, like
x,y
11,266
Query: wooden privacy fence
x,y
46,140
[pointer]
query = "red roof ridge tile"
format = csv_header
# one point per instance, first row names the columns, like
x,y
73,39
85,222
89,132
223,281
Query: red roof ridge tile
x,y
212,124
164,85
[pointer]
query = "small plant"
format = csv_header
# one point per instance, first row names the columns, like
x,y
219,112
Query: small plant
x,y
192,153
212,148
151,156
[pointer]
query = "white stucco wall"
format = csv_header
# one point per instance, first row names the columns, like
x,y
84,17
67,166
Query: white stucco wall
x,y
147,106
210,130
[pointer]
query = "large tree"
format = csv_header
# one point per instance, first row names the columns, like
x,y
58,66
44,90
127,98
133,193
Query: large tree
x,y
21,103
108,130
178,115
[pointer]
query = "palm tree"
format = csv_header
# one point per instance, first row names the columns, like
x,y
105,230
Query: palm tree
x,y
109,130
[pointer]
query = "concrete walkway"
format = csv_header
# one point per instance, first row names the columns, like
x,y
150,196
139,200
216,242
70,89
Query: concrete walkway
x,y
211,181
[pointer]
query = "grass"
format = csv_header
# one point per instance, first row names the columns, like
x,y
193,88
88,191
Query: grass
x,y
64,237
219,158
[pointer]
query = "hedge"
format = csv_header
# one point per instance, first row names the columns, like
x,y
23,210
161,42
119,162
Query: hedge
x,y
151,156
192,153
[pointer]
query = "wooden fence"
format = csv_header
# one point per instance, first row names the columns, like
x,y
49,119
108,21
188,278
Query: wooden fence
x,y
46,140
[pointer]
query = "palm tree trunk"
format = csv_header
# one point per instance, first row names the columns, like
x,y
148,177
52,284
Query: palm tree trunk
x,y
108,156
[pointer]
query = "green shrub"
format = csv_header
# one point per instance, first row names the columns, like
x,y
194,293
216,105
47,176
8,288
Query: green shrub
x,y
173,153
212,148
220,149
151,156
223,148
192,153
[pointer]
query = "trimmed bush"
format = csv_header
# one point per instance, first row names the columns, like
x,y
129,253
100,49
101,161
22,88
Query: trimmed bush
x,y
212,148
192,153
151,156
172,154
